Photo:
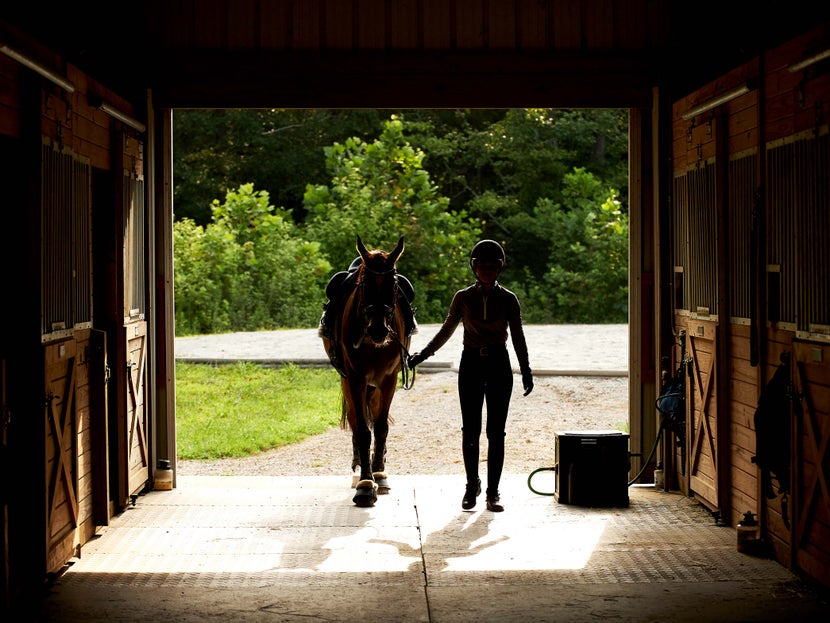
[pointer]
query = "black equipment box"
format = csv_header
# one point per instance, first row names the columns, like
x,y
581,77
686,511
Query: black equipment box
x,y
592,468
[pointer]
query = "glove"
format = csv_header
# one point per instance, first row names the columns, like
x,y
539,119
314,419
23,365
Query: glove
x,y
527,382
415,360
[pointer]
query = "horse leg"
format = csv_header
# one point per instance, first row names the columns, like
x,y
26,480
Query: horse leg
x,y
379,455
366,489
382,403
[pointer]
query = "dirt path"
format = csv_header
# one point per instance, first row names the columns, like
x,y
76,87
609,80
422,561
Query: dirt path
x,y
425,436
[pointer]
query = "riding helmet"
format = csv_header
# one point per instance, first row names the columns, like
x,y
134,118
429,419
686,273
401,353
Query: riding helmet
x,y
488,250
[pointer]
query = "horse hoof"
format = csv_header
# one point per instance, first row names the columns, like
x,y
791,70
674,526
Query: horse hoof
x,y
365,497
382,483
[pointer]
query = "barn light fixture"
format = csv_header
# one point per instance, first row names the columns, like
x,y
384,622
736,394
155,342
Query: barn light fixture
x,y
124,118
37,68
810,60
728,96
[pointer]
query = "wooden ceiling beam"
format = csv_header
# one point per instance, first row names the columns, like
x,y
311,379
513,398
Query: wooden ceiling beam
x,y
352,80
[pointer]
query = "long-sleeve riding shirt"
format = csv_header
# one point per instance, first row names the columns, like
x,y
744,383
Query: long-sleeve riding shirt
x,y
486,316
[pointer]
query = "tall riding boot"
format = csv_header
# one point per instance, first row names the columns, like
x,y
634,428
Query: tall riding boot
x,y
495,464
473,489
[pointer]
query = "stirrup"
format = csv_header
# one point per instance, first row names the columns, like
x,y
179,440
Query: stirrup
x,y
325,331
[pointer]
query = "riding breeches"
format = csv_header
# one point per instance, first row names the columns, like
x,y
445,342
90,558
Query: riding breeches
x,y
484,375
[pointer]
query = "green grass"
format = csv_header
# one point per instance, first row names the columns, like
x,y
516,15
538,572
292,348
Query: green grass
x,y
242,409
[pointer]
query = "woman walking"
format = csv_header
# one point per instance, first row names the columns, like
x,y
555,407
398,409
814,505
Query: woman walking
x,y
487,310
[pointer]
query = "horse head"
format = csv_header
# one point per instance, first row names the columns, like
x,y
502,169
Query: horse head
x,y
379,285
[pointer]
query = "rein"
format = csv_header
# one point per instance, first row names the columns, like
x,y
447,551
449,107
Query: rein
x,y
407,375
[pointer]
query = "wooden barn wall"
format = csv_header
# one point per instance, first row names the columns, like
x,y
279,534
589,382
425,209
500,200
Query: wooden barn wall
x,y
445,53
774,210
423,24
73,123
811,529
9,98
75,138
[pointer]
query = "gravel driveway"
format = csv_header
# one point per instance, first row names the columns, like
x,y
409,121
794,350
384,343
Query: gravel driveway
x,y
425,435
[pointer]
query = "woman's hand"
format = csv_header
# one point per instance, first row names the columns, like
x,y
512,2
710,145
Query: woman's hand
x,y
416,359
527,381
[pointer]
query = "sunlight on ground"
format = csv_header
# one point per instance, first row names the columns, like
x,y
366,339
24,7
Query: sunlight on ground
x,y
211,527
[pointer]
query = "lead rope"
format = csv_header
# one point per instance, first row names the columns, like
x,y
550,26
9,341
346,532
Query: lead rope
x,y
407,375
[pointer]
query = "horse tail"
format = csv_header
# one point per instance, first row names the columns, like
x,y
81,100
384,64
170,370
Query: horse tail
x,y
344,412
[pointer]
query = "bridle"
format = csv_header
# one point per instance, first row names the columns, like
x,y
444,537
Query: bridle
x,y
367,311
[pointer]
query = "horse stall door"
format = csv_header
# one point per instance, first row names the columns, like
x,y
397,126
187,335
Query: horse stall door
x,y
703,414
90,409
811,508
61,434
136,439
134,450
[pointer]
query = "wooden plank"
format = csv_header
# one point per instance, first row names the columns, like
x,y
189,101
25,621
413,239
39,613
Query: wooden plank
x,y
739,341
705,464
814,356
778,112
741,370
744,141
598,24
744,469
631,21
744,404
60,452
243,26
177,23
566,25
532,23
83,446
210,24
501,24
816,567
405,24
470,32
274,20
305,25
9,120
438,33
99,426
136,441
337,24
743,123
371,23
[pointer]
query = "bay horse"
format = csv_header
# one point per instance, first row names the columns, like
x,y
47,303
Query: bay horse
x,y
373,347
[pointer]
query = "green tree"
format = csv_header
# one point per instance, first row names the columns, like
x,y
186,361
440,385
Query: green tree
x,y
200,306
249,269
380,192
519,154
586,240
279,151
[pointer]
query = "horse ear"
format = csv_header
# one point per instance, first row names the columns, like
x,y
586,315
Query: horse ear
x,y
397,251
361,248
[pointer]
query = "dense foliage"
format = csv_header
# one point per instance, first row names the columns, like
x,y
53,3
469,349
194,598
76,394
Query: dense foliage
x,y
542,182
248,269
